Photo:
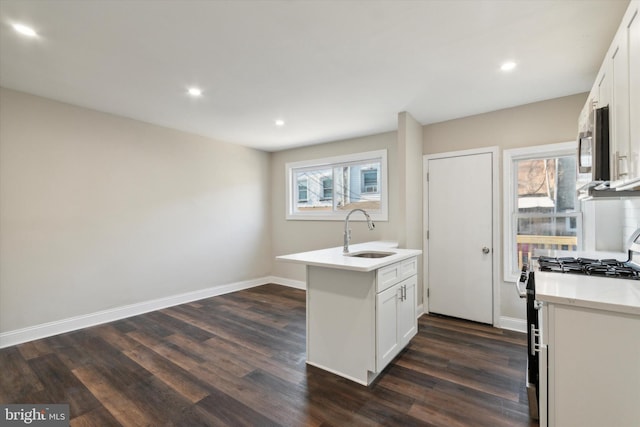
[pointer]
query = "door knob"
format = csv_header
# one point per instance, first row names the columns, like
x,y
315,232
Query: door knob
x,y
485,250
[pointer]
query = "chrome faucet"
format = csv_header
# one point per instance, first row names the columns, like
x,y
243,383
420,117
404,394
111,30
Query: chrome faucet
x,y
347,230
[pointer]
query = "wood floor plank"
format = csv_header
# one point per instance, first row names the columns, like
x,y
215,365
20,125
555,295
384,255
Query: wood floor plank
x,y
115,338
239,359
169,373
245,393
33,349
218,357
291,372
112,398
17,379
60,385
98,417
221,327
231,412
179,326
177,356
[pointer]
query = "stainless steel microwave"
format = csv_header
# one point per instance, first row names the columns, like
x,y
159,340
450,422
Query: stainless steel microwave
x,y
593,146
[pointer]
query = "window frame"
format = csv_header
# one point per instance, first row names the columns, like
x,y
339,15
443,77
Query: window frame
x,y
331,162
510,216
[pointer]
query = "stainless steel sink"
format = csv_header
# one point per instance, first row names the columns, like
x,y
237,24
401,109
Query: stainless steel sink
x,y
370,254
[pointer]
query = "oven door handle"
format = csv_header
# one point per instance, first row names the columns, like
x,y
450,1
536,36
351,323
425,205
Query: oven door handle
x,y
522,290
534,337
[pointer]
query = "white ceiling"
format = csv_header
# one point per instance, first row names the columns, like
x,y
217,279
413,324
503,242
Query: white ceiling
x,y
330,69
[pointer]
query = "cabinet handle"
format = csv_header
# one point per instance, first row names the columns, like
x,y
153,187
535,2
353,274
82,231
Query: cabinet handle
x,y
621,170
403,292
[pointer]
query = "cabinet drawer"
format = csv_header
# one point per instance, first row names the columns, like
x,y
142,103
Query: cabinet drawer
x,y
395,273
409,267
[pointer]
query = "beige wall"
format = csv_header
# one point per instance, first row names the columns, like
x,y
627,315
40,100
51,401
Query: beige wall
x,y
545,122
410,189
291,236
98,211
539,123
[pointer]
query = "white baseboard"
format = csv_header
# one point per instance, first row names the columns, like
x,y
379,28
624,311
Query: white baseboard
x,y
298,284
513,324
44,330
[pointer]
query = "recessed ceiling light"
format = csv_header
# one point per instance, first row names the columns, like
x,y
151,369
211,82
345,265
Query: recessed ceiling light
x,y
194,91
508,66
279,122
24,30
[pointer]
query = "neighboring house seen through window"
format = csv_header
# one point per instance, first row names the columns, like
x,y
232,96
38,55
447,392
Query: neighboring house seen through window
x,y
303,192
330,188
327,188
369,181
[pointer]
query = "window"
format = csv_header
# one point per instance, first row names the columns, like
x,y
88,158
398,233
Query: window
x,y
542,211
326,189
303,190
369,181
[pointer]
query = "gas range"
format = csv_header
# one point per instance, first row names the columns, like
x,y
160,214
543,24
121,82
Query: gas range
x,y
610,268
589,265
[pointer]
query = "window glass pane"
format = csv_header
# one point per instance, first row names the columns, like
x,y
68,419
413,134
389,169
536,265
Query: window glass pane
x,y
547,208
324,189
302,190
311,193
369,181
549,233
327,188
357,186
546,186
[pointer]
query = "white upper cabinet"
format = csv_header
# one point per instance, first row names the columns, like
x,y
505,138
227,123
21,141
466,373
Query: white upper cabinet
x,y
604,86
633,43
619,109
618,86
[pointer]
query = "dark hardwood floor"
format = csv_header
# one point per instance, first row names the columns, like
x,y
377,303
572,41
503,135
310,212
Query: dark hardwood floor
x,y
239,359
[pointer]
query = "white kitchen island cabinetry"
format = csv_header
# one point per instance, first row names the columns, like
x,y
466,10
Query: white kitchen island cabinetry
x,y
590,351
396,321
360,312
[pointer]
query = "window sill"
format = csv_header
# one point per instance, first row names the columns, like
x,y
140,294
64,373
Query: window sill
x,y
379,217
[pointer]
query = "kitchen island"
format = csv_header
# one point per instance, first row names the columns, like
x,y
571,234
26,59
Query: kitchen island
x,y
361,310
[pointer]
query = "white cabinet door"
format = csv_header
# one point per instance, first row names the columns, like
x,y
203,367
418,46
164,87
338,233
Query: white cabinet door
x,y
396,321
407,320
604,86
594,368
633,37
619,110
387,337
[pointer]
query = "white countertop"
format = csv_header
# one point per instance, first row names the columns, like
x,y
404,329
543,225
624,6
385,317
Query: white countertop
x,y
334,258
618,295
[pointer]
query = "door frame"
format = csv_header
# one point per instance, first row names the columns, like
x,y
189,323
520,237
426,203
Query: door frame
x,y
496,218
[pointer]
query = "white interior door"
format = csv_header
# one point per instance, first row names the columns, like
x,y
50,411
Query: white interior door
x,y
460,231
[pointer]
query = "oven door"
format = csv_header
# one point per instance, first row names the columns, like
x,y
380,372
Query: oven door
x,y
533,362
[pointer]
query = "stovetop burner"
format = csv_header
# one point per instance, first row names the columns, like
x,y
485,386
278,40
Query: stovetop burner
x,y
591,267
